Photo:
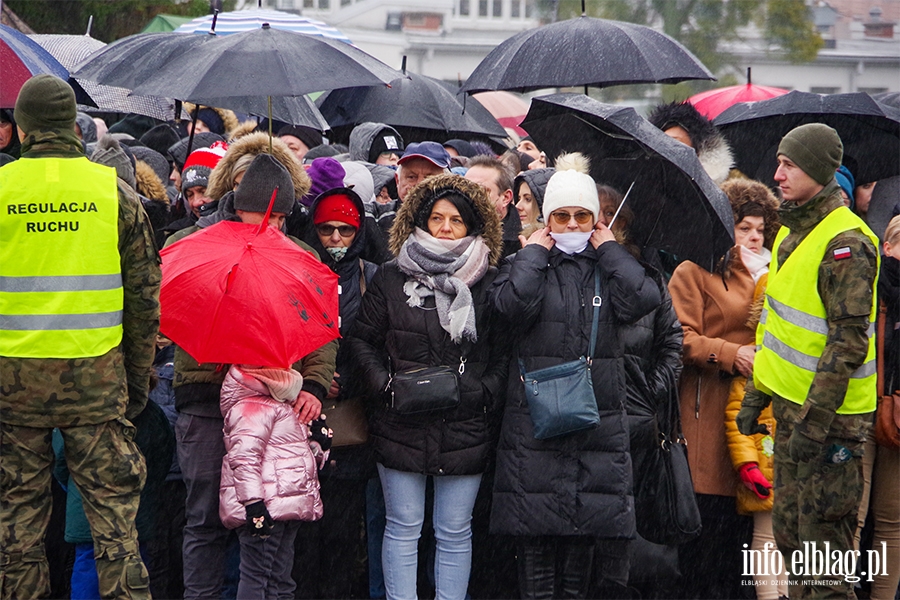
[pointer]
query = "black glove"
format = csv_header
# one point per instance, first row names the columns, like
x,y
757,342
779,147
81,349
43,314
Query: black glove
x,y
321,434
747,421
259,521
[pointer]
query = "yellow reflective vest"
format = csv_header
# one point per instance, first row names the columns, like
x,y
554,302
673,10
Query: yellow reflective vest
x,y
793,328
60,273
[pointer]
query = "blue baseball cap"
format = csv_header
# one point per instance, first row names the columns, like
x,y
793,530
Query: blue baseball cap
x,y
430,151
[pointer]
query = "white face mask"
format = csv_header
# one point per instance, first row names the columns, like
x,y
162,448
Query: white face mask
x,y
572,242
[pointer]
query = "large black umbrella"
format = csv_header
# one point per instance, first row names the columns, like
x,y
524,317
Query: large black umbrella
x,y
296,110
676,206
71,50
585,52
265,62
869,130
416,105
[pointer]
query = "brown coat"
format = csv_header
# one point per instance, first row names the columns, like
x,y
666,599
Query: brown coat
x,y
714,320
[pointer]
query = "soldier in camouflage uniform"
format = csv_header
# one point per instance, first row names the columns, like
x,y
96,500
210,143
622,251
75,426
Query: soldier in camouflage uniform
x,y
818,450
88,398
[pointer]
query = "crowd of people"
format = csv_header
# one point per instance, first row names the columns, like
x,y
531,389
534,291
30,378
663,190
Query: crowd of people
x,y
172,478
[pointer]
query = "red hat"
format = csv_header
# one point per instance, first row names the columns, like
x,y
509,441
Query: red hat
x,y
199,165
337,207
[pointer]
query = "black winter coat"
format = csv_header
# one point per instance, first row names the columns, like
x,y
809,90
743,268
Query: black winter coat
x,y
578,484
452,442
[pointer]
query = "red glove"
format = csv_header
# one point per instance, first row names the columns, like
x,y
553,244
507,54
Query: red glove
x,y
755,480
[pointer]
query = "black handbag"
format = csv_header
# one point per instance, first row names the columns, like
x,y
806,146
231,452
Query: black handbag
x,y
426,389
665,505
561,398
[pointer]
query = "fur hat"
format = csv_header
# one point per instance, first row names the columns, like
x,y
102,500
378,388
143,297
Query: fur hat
x,y
710,145
752,198
222,178
404,222
260,180
571,185
200,164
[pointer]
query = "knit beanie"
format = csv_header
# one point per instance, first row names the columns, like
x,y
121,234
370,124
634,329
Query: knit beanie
x,y
358,177
387,140
199,165
157,161
815,148
45,102
108,151
847,182
462,147
212,120
307,135
570,185
204,139
337,207
466,206
260,179
326,174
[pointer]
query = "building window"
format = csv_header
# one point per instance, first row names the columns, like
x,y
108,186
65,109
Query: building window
x,y
464,8
529,9
482,8
345,2
515,9
872,90
308,4
498,8
824,90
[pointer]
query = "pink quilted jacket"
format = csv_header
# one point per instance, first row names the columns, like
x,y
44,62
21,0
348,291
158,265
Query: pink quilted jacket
x,y
268,455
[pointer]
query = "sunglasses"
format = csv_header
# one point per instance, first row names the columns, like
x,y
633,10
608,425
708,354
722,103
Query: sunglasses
x,y
563,218
328,230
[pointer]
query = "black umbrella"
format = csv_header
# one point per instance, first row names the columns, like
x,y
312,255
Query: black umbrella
x,y
412,102
585,52
676,206
296,110
869,130
265,62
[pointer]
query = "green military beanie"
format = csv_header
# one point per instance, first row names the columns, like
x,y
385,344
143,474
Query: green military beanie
x,y
815,148
45,102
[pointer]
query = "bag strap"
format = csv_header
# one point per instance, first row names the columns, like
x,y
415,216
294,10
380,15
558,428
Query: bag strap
x,y
595,302
362,277
879,346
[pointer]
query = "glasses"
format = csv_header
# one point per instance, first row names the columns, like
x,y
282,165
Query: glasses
x,y
328,230
563,218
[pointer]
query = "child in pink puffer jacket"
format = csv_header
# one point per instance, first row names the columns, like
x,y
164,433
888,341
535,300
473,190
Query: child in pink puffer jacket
x,y
269,476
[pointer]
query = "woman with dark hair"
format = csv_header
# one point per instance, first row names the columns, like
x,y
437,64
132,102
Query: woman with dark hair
x,y
714,310
427,308
9,136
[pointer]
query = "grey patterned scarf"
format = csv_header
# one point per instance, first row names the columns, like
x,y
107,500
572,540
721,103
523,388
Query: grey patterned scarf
x,y
445,269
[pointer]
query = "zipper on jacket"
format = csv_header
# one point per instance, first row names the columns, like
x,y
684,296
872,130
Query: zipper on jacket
x,y
697,402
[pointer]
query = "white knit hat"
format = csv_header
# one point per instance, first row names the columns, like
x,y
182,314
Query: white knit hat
x,y
571,186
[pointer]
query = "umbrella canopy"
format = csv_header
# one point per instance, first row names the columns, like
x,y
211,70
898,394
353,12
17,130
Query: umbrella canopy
x,y
70,50
585,52
262,62
127,62
509,109
676,206
246,20
296,110
869,130
411,102
239,293
21,58
711,103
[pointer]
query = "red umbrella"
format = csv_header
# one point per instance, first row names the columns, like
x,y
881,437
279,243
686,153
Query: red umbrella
x,y
712,103
239,293
509,109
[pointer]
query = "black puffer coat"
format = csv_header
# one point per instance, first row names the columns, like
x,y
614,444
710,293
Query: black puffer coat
x,y
578,484
452,442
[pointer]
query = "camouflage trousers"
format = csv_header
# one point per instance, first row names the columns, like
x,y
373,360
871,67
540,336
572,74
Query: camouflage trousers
x,y
109,471
816,503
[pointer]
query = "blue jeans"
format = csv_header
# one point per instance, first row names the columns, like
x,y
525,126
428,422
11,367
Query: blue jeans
x,y
404,499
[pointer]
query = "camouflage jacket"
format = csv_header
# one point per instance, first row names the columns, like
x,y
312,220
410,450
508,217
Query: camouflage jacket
x,y
846,287
206,379
67,392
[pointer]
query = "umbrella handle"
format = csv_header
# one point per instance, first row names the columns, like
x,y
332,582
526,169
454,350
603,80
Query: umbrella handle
x,y
265,222
621,204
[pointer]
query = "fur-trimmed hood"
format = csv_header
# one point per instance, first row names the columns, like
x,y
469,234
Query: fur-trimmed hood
x,y
229,119
710,145
147,183
741,192
244,128
404,222
254,144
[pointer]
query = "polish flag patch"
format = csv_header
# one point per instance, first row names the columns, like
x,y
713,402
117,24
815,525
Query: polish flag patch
x,y
842,253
